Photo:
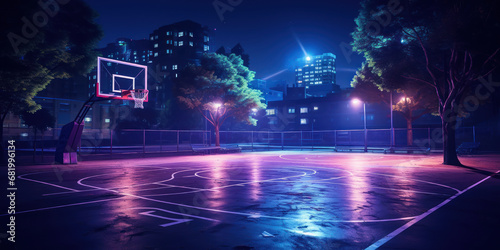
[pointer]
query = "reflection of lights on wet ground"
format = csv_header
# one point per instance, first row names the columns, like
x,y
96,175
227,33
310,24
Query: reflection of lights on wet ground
x,y
217,198
314,234
255,174
359,185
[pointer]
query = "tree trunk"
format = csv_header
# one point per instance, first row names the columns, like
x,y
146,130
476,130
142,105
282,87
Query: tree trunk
x,y
217,138
449,147
409,133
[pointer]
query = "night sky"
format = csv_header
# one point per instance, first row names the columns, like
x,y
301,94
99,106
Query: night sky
x,y
269,31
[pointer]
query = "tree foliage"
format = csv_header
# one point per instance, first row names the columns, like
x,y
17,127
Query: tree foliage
x,y
41,43
447,45
219,79
218,88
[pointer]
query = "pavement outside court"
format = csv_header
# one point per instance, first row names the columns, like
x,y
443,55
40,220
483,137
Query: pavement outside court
x,y
259,200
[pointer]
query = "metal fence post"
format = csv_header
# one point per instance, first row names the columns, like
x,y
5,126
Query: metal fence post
x,y
312,140
177,140
268,141
335,137
252,140
474,133
429,136
282,144
111,141
301,140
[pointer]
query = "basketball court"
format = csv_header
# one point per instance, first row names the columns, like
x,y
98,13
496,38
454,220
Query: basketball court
x,y
264,200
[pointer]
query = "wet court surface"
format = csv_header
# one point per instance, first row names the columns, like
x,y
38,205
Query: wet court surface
x,y
271,200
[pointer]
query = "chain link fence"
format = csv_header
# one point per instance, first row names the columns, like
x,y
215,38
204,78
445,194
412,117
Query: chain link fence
x,y
106,141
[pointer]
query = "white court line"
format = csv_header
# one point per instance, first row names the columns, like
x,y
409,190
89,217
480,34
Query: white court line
x,y
50,184
321,162
222,187
428,182
238,213
388,237
61,206
172,212
91,190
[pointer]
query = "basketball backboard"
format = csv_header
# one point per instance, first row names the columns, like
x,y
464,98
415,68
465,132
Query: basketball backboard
x,y
114,76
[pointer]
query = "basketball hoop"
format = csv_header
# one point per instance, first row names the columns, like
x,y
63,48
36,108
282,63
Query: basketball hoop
x,y
138,95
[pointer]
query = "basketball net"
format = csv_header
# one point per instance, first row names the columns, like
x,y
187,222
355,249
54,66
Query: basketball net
x,y
139,96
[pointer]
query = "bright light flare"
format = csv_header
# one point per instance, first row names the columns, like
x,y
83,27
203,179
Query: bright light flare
x,y
356,101
406,99
217,105
300,44
274,74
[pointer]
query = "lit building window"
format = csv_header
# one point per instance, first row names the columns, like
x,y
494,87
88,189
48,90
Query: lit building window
x,y
206,48
107,120
291,111
156,54
303,121
156,45
303,110
169,33
164,67
270,112
191,34
206,39
181,34
181,43
88,119
152,38
169,41
174,67
191,44
315,107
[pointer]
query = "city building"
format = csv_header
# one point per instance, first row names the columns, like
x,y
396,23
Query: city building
x,y
317,74
267,93
174,46
167,50
129,50
332,112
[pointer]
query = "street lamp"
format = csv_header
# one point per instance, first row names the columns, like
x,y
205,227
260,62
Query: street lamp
x,y
357,102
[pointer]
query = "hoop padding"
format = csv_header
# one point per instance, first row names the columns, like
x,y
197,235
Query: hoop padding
x,y
139,95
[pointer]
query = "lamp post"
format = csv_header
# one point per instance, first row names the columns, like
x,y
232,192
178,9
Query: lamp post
x,y
393,138
356,102
216,124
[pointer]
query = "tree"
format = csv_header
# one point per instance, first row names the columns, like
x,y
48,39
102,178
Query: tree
x,y
417,99
42,41
447,45
41,120
218,89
